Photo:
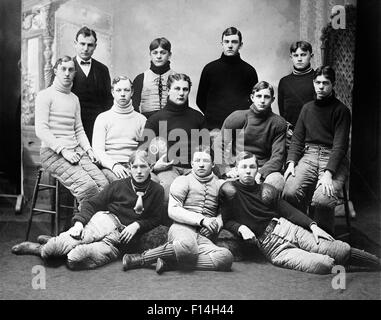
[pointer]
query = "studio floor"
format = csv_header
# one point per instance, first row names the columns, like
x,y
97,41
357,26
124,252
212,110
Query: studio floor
x,y
248,280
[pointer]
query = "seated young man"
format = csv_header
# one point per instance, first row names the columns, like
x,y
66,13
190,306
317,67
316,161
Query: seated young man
x,y
193,204
317,164
116,131
65,150
263,133
287,237
150,87
123,214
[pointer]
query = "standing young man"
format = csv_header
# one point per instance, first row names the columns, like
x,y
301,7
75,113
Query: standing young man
x,y
115,220
297,88
65,150
92,83
317,165
226,83
286,236
193,205
117,131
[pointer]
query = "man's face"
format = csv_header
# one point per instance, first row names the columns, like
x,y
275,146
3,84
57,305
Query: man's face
x,y
85,46
202,164
323,87
231,45
159,56
247,170
65,73
140,170
262,99
122,93
179,92
301,59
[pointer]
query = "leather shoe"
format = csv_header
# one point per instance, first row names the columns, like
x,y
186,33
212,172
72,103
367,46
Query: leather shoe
x,y
42,239
161,266
131,261
27,247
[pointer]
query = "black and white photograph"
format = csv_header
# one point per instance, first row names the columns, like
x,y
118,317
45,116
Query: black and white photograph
x,y
190,155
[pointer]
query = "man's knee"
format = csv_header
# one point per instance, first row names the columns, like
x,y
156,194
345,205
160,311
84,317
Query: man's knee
x,y
276,180
222,259
186,250
321,200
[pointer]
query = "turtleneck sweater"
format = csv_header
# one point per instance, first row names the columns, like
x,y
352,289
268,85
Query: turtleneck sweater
x,y
119,198
148,97
116,133
294,91
175,123
254,206
58,119
225,86
323,122
264,135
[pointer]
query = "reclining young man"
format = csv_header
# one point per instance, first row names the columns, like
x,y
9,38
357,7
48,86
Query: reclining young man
x,y
193,206
287,237
116,220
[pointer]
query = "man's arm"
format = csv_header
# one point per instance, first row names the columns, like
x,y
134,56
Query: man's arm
x,y
177,195
226,195
107,86
138,87
202,92
298,139
281,98
78,128
292,214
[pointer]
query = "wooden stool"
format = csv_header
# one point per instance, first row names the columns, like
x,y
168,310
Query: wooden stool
x,y
55,214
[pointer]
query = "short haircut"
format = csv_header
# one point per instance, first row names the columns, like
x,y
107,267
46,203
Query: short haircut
x,y
117,79
243,155
231,31
86,32
160,42
204,148
139,155
263,85
62,59
326,71
303,45
176,77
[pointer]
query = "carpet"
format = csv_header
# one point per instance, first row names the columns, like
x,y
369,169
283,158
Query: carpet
x,y
249,279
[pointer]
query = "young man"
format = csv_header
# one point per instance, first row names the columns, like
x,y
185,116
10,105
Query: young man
x,y
65,150
174,123
317,163
117,219
150,87
92,81
286,236
264,134
193,204
225,83
116,131
297,88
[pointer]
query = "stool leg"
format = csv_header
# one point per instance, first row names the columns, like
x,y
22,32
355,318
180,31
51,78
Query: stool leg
x,y
346,207
57,209
34,199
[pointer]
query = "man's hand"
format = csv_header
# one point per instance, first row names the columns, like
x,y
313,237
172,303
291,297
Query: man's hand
x,y
290,170
258,177
246,233
210,224
120,171
162,165
92,156
71,156
128,232
326,182
232,173
76,230
320,233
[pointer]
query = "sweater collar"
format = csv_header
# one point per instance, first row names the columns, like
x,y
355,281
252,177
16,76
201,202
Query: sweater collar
x,y
170,106
162,69
326,101
231,59
246,187
59,87
141,186
260,113
203,179
303,71
125,110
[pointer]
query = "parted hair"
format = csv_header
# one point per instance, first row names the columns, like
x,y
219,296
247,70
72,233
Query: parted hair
x,y
263,85
86,32
160,42
243,155
117,79
176,77
139,155
231,31
304,45
62,59
326,71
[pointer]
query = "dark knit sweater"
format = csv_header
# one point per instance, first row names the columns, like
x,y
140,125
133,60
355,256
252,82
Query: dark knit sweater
x,y
293,92
324,122
175,117
264,136
254,206
225,86
120,199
